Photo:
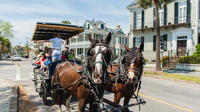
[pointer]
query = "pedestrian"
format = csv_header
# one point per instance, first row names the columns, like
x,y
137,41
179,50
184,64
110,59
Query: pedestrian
x,y
71,55
67,53
57,43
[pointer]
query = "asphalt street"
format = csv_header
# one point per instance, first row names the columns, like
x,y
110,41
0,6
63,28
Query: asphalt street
x,y
161,95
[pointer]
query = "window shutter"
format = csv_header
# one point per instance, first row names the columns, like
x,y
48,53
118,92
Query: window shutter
x,y
154,17
199,9
142,19
165,42
154,43
134,21
188,11
134,41
176,13
142,41
165,16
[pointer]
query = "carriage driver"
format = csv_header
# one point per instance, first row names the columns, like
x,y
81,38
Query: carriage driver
x,y
56,50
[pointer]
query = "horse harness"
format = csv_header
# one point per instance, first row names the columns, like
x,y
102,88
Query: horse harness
x,y
86,79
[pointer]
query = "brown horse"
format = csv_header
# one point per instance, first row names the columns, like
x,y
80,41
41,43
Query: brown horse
x,y
69,76
129,77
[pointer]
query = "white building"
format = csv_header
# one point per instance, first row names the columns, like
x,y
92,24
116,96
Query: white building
x,y
98,30
179,23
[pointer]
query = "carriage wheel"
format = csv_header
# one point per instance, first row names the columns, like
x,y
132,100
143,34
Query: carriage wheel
x,y
44,93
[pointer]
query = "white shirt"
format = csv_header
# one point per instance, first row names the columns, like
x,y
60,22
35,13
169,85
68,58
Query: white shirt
x,y
57,42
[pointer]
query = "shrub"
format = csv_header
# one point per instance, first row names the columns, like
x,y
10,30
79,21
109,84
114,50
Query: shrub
x,y
190,60
164,60
197,52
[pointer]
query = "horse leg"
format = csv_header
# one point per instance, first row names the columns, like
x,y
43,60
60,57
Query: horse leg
x,y
60,107
68,103
82,104
117,98
126,102
93,107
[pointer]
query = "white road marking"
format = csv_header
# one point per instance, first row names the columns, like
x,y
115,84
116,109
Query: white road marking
x,y
18,73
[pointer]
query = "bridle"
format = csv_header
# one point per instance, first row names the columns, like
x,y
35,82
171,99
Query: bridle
x,y
103,62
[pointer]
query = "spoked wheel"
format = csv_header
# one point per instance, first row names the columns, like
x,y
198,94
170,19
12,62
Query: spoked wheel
x,y
44,93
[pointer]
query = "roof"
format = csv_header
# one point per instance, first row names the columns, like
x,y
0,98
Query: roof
x,y
94,23
133,3
46,31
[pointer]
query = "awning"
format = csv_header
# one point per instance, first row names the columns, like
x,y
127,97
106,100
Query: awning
x,y
46,31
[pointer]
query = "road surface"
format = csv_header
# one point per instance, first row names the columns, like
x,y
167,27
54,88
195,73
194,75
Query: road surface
x,y
161,95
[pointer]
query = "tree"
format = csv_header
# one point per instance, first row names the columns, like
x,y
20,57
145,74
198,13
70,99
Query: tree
x,y
158,4
6,30
66,22
5,45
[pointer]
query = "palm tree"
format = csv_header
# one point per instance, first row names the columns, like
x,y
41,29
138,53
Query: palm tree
x,y
158,4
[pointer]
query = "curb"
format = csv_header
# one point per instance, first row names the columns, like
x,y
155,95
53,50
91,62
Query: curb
x,y
14,100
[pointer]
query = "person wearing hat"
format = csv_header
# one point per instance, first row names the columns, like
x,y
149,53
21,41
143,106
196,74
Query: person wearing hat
x,y
56,49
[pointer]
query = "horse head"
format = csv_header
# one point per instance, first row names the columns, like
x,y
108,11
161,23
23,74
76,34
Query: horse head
x,y
99,56
134,62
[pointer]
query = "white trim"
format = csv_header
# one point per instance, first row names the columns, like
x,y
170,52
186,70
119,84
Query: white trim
x,y
182,32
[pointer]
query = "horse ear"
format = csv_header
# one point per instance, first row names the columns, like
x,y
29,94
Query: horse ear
x,y
91,40
127,48
141,47
108,38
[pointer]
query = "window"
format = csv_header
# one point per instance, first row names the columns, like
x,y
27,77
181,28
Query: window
x,y
182,17
79,51
73,40
88,26
87,37
80,38
102,26
161,16
126,41
99,36
138,41
163,42
138,19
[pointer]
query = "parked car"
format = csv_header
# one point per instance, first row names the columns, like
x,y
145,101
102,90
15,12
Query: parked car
x,y
16,58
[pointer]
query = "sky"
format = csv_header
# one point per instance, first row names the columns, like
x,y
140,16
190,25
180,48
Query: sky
x,y
23,14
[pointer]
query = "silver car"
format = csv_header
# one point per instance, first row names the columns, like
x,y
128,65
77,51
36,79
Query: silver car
x,y
16,58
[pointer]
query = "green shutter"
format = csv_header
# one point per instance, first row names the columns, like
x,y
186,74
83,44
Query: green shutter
x,y
154,43
176,13
188,11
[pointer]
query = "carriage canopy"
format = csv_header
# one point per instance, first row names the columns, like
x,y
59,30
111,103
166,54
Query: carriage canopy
x,y
46,31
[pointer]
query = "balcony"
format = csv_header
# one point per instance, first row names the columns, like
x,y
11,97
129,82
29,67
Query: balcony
x,y
183,22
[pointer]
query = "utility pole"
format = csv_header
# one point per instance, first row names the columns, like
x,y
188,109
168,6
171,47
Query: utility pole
x,y
27,46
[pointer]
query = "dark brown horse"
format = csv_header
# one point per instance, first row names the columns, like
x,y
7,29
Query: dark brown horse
x,y
129,76
69,76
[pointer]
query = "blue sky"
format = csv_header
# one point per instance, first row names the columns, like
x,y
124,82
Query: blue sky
x,y
23,14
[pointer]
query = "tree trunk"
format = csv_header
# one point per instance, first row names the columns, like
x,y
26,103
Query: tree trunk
x,y
158,65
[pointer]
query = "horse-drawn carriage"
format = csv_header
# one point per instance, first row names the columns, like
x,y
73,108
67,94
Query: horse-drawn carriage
x,y
87,82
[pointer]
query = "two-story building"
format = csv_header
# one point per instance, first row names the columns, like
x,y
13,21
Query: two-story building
x,y
179,26
98,30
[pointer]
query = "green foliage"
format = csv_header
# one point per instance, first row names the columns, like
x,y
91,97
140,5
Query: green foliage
x,y
197,52
164,60
5,45
6,30
148,3
66,22
190,60
194,59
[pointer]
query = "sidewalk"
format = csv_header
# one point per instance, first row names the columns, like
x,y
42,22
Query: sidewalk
x,y
6,88
152,67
